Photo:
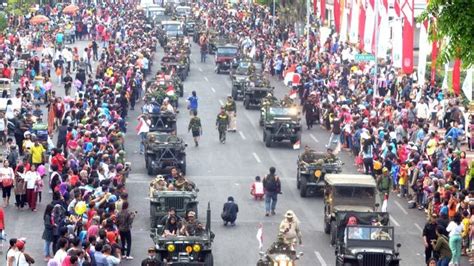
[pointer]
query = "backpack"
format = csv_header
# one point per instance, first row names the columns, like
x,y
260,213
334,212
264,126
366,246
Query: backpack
x,y
271,183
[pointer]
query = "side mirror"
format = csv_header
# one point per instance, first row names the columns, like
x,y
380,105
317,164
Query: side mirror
x,y
185,145
197,189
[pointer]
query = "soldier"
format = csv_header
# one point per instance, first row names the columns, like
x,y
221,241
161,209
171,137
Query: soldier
x,y
307,156
290,229
172,138
330,156
222,122
251,69
268,100
192,227
231,109
287,101
195,127
158,184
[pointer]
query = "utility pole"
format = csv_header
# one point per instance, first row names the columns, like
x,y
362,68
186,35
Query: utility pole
x,y
308,29
273,16
376,42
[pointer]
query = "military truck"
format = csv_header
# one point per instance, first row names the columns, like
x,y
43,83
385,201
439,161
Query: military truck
x,y
163,151
162,201
346,193
185,250
280,124
310,175
225,56
256,90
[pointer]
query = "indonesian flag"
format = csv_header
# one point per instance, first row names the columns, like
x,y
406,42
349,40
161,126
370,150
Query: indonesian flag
x,y
297,145
337,14
407,9
369,25
170,90
467,85
384,203
323,11
343,32
457,77
315,7
397,44
260,236
361,7
354,25
292,78
423,52
383,41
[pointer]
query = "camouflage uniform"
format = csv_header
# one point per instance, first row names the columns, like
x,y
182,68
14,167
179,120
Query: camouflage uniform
x,y
222,122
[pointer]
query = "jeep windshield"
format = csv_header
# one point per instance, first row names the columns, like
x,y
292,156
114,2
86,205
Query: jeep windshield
x,y
282,112
369,233
354,196
227,51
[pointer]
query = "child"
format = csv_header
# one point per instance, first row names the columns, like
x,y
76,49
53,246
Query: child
x,y
402,180
256,190
39,186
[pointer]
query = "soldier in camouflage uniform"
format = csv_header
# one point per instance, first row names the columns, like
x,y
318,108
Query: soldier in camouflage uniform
x,y
222,122
287,101
195,127
231,109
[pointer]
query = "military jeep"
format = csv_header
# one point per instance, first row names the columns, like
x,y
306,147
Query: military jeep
x,y
225,55
163,122
256,90
162,201
164,151
310,175
240,78
185,250
281,123
346,193
365,238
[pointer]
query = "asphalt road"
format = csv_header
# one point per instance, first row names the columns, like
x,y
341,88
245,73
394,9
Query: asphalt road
x,y
222,170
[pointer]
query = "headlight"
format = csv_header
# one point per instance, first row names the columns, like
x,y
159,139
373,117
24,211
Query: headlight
x,y
196,248
360,256
171,248
317,173
388,257
189,249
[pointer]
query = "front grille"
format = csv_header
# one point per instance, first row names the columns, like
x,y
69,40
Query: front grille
x,y
177,203
373,259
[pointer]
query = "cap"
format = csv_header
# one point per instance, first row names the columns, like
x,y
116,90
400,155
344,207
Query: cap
x,y
191,214
20,244
289,214
151,249
385,169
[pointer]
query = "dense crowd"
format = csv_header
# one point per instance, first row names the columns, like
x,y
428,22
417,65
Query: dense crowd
x,y
88,221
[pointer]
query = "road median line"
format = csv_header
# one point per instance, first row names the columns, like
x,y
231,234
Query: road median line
x,y
320,258
256,157
242,135
401,207
314,138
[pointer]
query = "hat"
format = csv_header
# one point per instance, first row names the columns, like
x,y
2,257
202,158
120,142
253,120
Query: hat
x,y
160,178
20,244
289,214
385,169
191,214
151,249
26,133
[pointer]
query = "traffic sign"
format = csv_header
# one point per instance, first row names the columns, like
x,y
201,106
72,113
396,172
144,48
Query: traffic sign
x,y
364,57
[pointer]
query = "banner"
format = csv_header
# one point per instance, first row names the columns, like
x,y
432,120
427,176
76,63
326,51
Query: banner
x,y
444,85
323,11
408,32
467,85
397,43
337,15
315,7
369,25
361,7
354,26
457,77
424,46
343,33
383,41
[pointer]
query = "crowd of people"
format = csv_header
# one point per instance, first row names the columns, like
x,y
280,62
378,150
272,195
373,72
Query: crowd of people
x,y
88,221
410,137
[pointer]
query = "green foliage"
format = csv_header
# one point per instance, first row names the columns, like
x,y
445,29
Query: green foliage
x,y
3,22
453,23
19,7
293,11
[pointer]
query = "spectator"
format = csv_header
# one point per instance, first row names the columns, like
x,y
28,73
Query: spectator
x,y
229,212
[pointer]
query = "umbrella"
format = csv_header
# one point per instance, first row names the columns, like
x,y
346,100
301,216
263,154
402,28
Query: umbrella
x,y
38,19
292,78
70,9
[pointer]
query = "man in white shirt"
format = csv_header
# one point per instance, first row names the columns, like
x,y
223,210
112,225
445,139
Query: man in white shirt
x,y
61,254
111,260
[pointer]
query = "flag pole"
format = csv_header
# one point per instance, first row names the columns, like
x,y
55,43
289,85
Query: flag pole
x,y
376,46
307,30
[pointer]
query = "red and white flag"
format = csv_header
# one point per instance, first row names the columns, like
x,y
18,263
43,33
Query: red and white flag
x,y
361,24
407,9
337,14
297,145
384,204
397,38
383,41
260,236
344,21
170,90
369,29
457,77
354,22
323,11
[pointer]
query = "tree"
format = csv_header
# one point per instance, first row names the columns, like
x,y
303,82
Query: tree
x,y
3,22
293,11
19,7
453,22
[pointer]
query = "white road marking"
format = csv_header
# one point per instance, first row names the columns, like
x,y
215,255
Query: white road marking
x,y
314,138
394,221
194,61
320,258
242,135
419,227
256,157
221,102
200,69
213,90
206,79
401,207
